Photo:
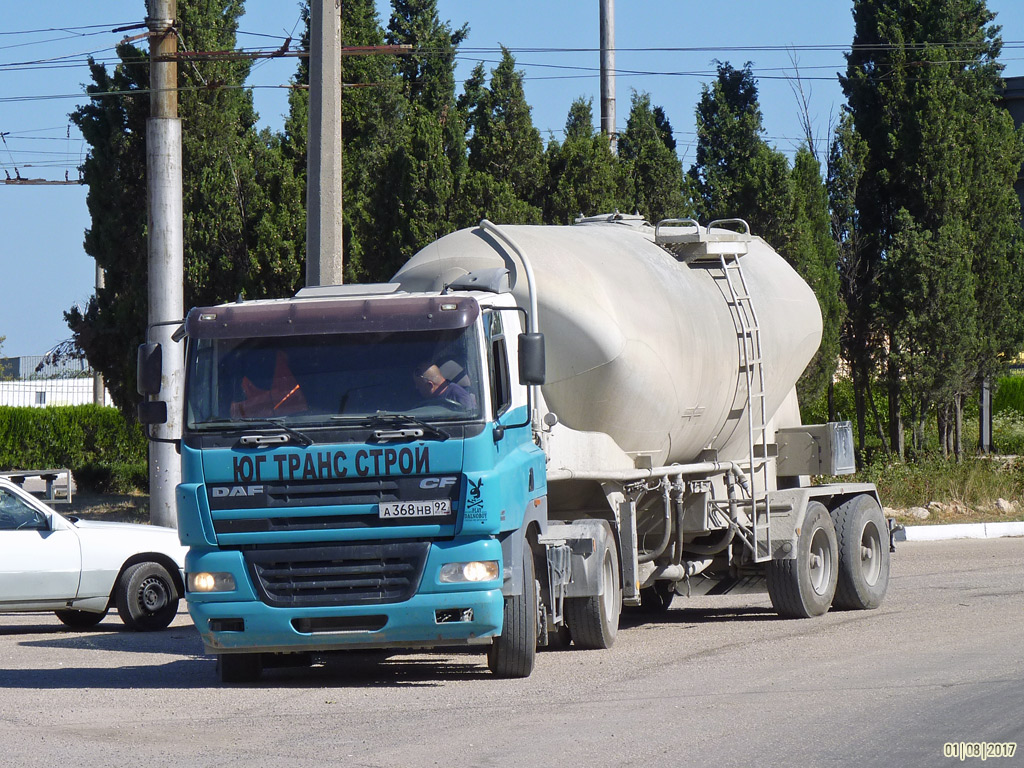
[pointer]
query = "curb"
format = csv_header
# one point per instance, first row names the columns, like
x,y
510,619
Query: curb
x,y
959,531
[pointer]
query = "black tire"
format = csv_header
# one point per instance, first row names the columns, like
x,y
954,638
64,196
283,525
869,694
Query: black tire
x,y
239,667
514,652
80,619
594,620
657,598
804,587
863,540
146,597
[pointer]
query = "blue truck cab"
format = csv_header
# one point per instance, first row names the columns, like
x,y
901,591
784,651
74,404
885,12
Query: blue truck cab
x,y
358,471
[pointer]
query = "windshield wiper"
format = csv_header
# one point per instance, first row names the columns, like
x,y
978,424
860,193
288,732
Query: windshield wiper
x,y
242,422
396,420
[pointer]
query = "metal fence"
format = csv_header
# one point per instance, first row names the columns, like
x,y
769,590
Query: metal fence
x,y
38,381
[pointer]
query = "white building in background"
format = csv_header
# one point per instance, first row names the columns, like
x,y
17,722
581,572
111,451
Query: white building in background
x,y
32,382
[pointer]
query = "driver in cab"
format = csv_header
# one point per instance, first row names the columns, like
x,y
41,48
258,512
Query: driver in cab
x,y
431,383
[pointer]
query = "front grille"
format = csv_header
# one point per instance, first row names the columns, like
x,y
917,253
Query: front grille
x,y
349,574
268,506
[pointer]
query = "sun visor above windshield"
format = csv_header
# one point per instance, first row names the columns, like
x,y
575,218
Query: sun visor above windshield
x,y
287,318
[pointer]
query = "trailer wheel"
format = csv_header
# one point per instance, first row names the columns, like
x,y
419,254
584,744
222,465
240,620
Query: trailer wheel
x,y
804,587
863,554
514,652
239,667
594,621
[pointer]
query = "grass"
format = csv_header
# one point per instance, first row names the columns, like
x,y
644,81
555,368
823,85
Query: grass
x,y
967,490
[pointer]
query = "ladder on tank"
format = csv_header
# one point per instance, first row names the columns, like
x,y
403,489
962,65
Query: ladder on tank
x,y
724,249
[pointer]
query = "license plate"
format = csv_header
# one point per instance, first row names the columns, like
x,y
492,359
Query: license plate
x,y
400,509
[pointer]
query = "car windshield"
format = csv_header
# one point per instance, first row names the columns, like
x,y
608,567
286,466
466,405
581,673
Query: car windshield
x,y
338,379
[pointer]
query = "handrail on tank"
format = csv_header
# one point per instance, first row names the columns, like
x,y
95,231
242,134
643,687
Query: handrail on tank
x,y
531,283
692,222
729,221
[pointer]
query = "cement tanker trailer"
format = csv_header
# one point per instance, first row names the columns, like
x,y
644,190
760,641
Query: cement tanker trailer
x,y
528,428
669,407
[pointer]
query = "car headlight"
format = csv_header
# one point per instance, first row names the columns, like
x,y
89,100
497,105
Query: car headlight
x,y
477,570
210,582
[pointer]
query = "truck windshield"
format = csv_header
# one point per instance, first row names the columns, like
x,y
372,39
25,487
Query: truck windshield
x,y
313,380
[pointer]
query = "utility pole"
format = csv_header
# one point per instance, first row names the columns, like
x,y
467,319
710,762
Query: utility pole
x,y
323,174
98,386
166,291
608,72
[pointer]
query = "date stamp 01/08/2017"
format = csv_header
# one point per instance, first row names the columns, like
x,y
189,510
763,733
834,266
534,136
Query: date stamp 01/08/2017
x,y
979,750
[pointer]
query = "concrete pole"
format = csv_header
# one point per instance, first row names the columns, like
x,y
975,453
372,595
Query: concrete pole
x,y
608,72
98,387
323,174
166,292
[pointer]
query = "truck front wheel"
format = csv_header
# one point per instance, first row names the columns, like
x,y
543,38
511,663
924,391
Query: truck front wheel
x,y
594,621
514,652
863,554
804,586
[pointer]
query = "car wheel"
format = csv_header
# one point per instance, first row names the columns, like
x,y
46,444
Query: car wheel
x,y
80,619
146,597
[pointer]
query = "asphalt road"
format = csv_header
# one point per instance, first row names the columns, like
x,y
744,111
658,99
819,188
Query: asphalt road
x,y
716,682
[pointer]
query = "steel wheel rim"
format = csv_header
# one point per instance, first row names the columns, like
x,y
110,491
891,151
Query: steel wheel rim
x,y
153,594
870,554
608,593
820,562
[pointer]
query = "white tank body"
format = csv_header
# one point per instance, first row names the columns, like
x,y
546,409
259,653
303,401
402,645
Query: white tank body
x,y
640,345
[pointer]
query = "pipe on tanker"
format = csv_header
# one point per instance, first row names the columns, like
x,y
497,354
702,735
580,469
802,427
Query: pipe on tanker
x,y
666,534
693,548
676,572
531,281
632,475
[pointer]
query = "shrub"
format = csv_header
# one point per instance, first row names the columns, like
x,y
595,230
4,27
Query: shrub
x,y
83,438
1009,395
119,477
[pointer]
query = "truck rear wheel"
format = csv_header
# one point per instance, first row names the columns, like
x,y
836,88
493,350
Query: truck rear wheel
x,y
863,554
239,667
514,652
594,621
804,587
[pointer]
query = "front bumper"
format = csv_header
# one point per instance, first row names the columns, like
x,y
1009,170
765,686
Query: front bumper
x,y
435,615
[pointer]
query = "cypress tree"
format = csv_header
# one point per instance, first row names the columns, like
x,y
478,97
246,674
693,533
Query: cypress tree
x,y
582,174
506,154
737,174
939,225
243,228
652,175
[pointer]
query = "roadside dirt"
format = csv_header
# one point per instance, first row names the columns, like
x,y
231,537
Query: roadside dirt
x,y
109,507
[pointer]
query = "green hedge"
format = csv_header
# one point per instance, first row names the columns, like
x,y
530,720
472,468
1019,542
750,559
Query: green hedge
x,y
1009,395
103,450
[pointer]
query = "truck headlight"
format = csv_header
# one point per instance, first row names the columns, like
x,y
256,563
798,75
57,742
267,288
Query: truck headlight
x,y
210,582
477,570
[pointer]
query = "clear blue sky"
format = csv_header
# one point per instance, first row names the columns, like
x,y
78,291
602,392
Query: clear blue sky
x,y
44,269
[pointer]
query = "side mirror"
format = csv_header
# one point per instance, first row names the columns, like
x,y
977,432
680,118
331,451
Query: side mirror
x,y
152,412
149,370
532,369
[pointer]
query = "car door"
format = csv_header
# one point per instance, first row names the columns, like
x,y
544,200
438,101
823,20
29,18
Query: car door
x,y
40,555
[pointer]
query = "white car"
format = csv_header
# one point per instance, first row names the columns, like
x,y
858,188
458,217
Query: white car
x,y
79,569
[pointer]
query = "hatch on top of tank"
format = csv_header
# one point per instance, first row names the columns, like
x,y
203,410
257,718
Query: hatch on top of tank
x,y
629,219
